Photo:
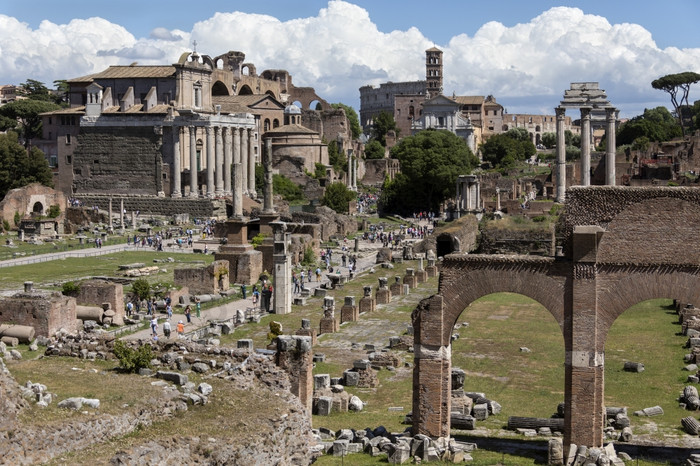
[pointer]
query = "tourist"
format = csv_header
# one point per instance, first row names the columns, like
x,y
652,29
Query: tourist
x,y
180,329
166,329
256,294
169,311
198,307
188,312
154,325
243,292
129,308
318,274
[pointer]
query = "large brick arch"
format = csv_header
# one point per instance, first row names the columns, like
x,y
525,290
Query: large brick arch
x,y
466,278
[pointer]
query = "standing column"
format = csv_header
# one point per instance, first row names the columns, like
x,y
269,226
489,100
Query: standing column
x,y
194,189
355,165
219,161
111,223
267,166
237,185
610,118
585,146
244,161
177,168
349,169
227,160
251,164
211,164
561,155
121,215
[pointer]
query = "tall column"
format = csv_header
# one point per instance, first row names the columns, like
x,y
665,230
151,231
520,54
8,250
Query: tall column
x,y
349,169
237,175
211,164
244,160
251,164
610,118
121,215
267,165
109,226
355,165
219,162
177,168
194,189
585,146
561,155
282,269
228,145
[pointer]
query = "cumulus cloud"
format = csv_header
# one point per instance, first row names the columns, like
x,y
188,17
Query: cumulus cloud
x,y
526,67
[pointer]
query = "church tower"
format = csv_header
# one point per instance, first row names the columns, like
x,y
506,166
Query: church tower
x,y
433,71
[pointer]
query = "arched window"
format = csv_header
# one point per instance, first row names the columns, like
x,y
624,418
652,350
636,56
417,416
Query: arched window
x,y
266,125
275,123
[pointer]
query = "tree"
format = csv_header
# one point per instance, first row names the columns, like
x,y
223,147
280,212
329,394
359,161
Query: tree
x,y
383,123
673,84
141,288
337,197
656,124
26,112
505,150
549,140
430,161
352,117
374,150
336,158
19,168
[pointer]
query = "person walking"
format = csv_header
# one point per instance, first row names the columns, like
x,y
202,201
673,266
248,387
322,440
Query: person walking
x,y
166,329
188,312
198,307
180,329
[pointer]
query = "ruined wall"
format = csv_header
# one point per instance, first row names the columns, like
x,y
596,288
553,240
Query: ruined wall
x,y
152,205
46,311
118,160
375,172
331,223
24,200
96,292
536,241
213,278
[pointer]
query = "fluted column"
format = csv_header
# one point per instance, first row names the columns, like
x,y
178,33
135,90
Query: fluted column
x,y
585,146
228,145
251,164
244,160
194,189
211,164
219,154
177,168
237,174
561,155
610,118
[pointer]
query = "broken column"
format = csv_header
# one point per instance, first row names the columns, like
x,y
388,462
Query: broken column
x,y
383,295
396,288
349,312
367,303
329,324
282,269
410,278
421,274
294,356
307,331
431,269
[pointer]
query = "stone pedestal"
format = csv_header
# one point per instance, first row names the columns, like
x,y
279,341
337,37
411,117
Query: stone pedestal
x,y
383,295
410,278
367,303
421,274
396,288
245,263
295,357
282,269
431,269
267,246
329,324
349,312
307,331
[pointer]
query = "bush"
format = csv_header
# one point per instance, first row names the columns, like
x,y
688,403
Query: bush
x,y
258,239
141,288
275,330
71,289
539,218
5,225
286,188
309,257
54,211
17,218
338,197
131,360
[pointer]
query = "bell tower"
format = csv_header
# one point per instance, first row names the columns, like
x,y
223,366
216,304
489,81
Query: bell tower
x,y
433,71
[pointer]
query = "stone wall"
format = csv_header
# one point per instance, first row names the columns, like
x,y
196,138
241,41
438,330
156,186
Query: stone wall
x,y
213,278
152,205
28,198
537,241
46,311
331,223
118,160
96,292
375,172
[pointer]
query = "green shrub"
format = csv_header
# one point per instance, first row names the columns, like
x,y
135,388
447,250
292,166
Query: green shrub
x,y
5,225
309,257
17,218
258,239
131,360
539,218
286,188
54,211
275,330
556,209
71,289
141,288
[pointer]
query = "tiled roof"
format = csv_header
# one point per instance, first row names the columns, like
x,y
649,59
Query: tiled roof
x,y
117,72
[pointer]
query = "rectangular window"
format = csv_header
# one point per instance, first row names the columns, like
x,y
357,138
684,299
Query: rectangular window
x,y
53,161
67,138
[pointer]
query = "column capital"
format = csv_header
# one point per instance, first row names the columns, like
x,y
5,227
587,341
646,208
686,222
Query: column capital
x,y
611,113
560,112
586,112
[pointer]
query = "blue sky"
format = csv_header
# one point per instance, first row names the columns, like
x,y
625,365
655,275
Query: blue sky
x,y
523,53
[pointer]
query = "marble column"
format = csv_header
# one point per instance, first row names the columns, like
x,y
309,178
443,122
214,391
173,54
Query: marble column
x,y
211,164
244,160
561,155
177,168
194,189
109,225
251,164
219,162
610,119
585,146
267,188
237,174
121,215
349,183
228,145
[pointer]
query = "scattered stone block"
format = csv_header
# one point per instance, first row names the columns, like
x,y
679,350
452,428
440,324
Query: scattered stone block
x,y
351,378
324,405
633,366
175,377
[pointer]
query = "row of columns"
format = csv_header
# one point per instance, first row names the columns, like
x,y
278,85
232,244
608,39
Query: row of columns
x,y
225,146
611,120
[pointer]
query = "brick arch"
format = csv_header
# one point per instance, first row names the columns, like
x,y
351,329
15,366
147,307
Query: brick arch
x,y
464,279
623,287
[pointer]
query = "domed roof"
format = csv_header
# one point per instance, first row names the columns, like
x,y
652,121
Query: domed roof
x,y
292,110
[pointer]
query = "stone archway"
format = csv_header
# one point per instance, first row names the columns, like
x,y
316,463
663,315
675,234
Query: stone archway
x,y
37,209
620,246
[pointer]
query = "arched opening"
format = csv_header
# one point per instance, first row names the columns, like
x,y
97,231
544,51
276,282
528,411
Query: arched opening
x,y
270,93
298,104
275,123
315,105
219,88
245,70
37,209
647,333
446,244
512,350
219,64
505,127
245,90
266,124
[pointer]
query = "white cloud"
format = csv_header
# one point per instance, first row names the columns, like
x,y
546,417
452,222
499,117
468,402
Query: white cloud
x,y
526,67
